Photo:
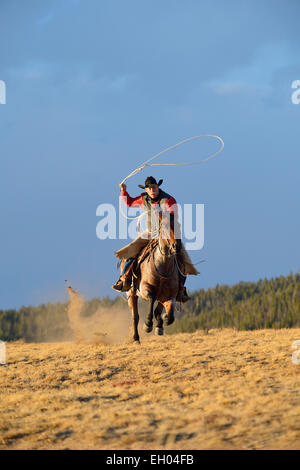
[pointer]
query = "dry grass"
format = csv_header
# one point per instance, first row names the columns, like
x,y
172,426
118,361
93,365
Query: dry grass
x,y
222,390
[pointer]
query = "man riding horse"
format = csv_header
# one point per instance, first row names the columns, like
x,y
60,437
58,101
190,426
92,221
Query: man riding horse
x,y
152,201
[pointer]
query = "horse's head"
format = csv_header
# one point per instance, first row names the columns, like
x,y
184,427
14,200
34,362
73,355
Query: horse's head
x,y
170,245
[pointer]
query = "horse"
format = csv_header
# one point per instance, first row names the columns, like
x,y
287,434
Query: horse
x,y
158,280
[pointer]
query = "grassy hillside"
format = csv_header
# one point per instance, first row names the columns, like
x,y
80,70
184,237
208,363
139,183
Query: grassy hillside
x,y
226,389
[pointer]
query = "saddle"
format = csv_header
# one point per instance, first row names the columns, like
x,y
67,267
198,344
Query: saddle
x,y
145,253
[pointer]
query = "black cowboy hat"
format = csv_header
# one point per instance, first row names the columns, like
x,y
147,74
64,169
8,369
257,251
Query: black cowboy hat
x,y
150,181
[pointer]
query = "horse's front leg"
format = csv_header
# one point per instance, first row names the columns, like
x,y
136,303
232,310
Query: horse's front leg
x,y
133,305
159,329
170,309
148,325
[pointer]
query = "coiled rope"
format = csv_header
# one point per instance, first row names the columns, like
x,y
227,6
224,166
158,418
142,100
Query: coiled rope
x,y
146,163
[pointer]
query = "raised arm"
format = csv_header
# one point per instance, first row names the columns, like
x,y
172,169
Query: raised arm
x,y
128,200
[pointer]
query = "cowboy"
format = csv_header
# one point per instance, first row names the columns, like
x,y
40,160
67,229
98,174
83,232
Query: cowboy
x,y
151,201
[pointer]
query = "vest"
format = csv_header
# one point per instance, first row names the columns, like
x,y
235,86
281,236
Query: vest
x,y
153,210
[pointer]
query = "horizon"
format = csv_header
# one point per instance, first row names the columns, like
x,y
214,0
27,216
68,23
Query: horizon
x,y
191,292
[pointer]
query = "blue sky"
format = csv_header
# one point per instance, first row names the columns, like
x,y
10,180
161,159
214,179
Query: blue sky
x,y
94,88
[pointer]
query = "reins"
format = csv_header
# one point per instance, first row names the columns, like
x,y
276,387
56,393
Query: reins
x,y
161,275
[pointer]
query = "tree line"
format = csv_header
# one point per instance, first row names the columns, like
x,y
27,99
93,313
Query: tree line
x,y
268,303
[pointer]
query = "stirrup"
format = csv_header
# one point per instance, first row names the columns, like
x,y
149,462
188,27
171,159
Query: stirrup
x,y
118,286
182,295
122,285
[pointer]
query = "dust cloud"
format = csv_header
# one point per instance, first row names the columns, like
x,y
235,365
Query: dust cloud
x,y
106,326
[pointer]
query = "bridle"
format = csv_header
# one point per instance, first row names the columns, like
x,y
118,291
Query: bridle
x,y
164,276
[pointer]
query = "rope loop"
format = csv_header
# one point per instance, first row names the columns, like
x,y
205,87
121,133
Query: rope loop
x,y
146,163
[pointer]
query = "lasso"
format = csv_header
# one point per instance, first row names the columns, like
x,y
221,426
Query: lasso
x,y
146,164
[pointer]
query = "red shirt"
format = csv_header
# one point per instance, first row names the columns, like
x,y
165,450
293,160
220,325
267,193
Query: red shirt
x,y
171,204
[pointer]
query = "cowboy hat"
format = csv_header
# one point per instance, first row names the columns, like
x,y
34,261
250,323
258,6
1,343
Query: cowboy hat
x,y
150,181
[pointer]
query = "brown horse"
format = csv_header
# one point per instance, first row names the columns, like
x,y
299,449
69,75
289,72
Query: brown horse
x,y
158,280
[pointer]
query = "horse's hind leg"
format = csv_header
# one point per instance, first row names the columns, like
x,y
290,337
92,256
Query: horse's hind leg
x,y
159,329
148,325
133,305
170,309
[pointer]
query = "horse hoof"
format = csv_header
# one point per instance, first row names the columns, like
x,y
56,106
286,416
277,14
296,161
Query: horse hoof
x,y
147,328
136,341
168,320
159,331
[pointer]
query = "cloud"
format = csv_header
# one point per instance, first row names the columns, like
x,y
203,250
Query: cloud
x,y
30,71
235,88
56,8
45,19
121,82
257,77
